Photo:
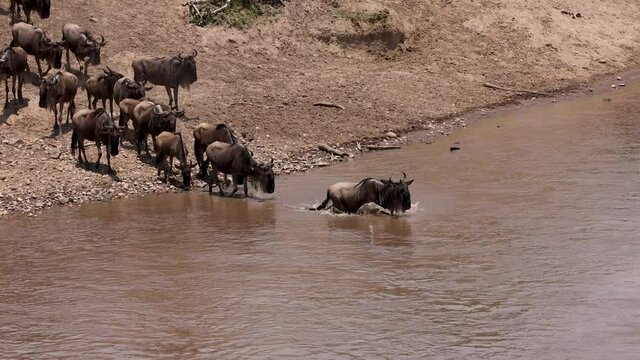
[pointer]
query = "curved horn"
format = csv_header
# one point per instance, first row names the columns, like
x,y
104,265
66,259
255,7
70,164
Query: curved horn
x,y
180,55
108,68
405,176
103,42
195,53
271,162
155,110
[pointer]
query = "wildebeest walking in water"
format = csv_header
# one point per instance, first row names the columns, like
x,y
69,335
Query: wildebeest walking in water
x,y
38,43
171,145
13,63
205,134
95,125
59,89
235,159
349,197
42,7
83,45
171,72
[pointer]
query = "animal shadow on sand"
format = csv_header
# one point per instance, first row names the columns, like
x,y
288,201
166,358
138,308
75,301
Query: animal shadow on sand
x,y
103,169
55,132
82,79
12,108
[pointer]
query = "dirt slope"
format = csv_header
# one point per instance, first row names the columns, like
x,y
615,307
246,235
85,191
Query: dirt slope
x,y
266,79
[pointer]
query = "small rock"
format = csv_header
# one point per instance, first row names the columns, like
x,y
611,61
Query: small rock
x,y
391,134
622,84
93,20
619,78
63,200
454,148
613,86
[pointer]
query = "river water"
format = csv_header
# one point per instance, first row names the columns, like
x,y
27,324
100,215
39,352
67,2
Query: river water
x,y
524,244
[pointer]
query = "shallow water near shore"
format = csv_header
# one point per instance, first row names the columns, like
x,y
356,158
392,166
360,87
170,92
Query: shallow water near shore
x,y
524,244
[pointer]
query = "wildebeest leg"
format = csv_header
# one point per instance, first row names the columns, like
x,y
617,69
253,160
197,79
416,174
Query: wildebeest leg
x,y
55,118
155,145
175,95
61,114
79,62
86,67
6,91
68,61
88,99
20,84
48,68
99,154
13,88
146,144
111,108
170,97
27,12
104,105
246,187
108,146
95,103
235,185
39,66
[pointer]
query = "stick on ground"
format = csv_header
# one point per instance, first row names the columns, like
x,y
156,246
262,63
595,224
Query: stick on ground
x,y
328,104
498,87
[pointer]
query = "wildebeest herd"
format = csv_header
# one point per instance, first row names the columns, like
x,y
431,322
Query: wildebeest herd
x,y
214,145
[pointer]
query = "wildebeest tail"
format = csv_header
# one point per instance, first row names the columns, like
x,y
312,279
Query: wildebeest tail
x,y
196,148
74,141
72,108
323,205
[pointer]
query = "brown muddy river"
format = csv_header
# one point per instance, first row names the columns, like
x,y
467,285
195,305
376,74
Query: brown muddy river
x,y
524,244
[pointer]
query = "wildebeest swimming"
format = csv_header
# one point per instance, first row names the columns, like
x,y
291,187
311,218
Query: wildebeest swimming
x,y
349,197
83,45
42,7
13,63
172,145
95,125
35,41
59,88
170,71
235,159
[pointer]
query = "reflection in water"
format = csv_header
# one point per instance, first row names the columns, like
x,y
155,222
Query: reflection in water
x,y
525,245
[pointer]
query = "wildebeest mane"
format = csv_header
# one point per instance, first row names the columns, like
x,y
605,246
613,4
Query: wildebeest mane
x,y
224,126
377,191
96,114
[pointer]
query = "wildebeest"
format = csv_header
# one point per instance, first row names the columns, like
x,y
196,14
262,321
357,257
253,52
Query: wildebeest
x,y
205,134
13,63
126,88
83,45
349,197
235,159
101,87
171,145
151,119
95,125
42,7
126,110
38,43
170,71
59,88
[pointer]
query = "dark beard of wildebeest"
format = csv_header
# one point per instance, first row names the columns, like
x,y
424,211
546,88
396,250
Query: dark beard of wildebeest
x,y
171,72
95,125
389,194
36,42
83,45
235,159
42,7
13,63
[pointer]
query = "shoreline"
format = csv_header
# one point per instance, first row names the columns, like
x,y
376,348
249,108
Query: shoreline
x,y
424,130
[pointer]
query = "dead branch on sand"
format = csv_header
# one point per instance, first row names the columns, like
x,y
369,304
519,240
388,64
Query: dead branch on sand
x,y
193,5
497,87
332,151
381,147
328,104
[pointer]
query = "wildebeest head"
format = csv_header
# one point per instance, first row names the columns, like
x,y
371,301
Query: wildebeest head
x,y
111,131
48,88
162,120
185,169
110,78
133,90
184,68
5,60
395,195
90,48
264,179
